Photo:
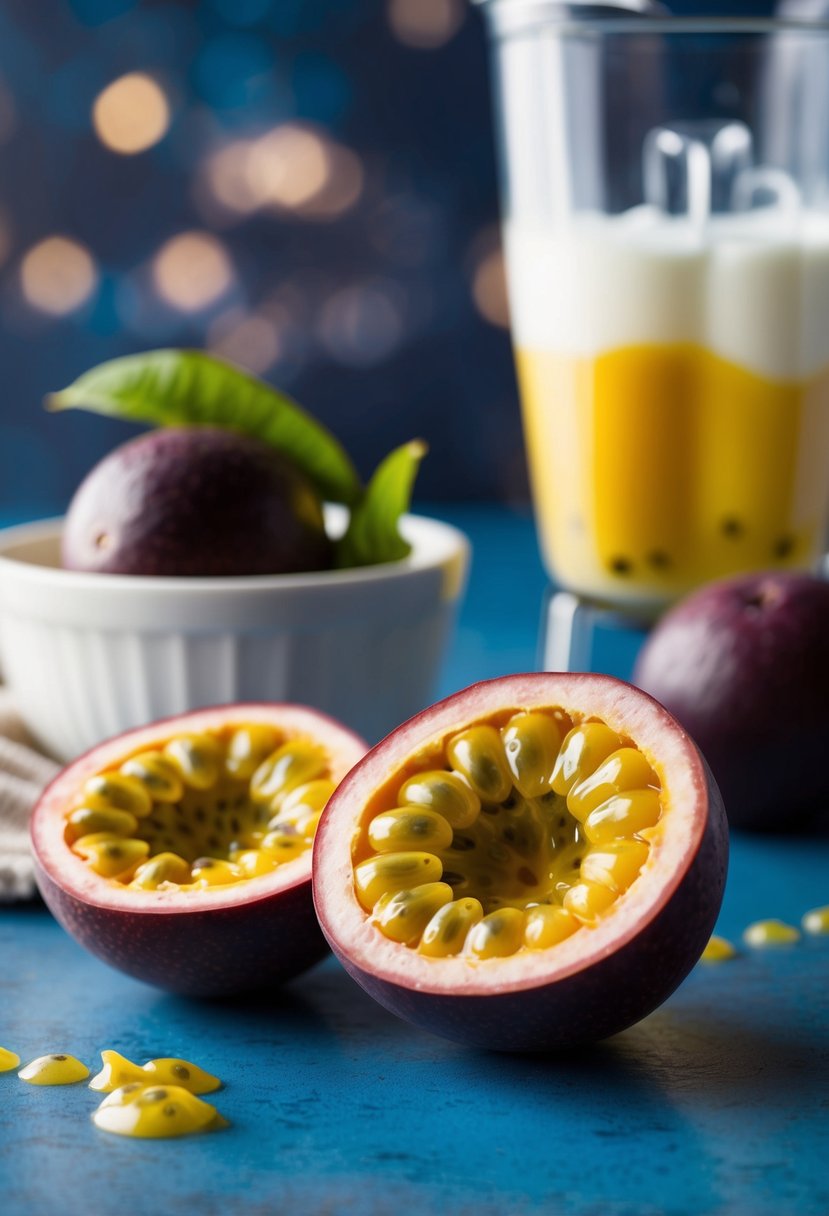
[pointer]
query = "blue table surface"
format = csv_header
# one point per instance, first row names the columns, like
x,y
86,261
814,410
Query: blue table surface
x,y
716,1103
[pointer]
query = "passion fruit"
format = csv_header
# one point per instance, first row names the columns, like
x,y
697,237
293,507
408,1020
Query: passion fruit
x,y
533,863
195,501
180,852
743,663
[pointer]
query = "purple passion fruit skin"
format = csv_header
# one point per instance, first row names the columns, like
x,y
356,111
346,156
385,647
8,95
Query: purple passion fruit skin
x,y
195,502
744,665
612,969
254,929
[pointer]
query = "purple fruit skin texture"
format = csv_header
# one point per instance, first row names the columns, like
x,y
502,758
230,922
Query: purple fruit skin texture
x,y
195,501
592,1004
248,947
744,665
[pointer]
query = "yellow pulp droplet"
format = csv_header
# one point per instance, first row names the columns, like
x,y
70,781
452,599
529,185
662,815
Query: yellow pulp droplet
x,y
116,1072
8,1059
816,921
170,1071
54,1070
770,933
718,950
155,1112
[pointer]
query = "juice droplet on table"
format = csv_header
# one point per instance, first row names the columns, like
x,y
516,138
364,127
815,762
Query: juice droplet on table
x,y
770,933
8,1060
718,950
816,921
54,1070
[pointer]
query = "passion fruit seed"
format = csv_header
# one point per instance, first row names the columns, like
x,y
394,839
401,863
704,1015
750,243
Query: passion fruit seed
x,y
154,1113
816,921
248,747
8,1059
531,745
558,843
403,915
198,758
770,933
107,790
497,935
478,755
170,1071
446,794
718,950
405,828
449,928
54,1070
203,809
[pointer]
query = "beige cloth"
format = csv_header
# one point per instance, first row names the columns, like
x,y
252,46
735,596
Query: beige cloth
x,y
24,771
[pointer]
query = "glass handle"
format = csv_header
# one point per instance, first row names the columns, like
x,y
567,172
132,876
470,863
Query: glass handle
x,y
690,169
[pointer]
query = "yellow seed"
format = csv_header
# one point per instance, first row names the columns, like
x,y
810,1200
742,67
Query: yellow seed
x,y
298,822
255,862
198,758
531,745
111,856
771,933
584,748
163,867
623,815
8,1059
393,872
157,774
588,900
498,935
248,747
403,915
625,769
291,765
284,846
106,790
816,921
171,1071
449,928
616,864
402,829
54,1070
311,796
547,925
213,872
477,754
153,1112
446,794
89,821
718,950
117,1072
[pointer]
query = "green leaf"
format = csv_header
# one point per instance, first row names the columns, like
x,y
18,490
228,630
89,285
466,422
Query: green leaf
x,y
190,388
373,535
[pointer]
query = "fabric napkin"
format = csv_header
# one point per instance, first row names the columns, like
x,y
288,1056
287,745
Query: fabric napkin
x,y
24,771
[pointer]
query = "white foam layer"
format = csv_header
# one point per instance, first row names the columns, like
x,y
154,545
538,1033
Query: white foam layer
x,y
752,287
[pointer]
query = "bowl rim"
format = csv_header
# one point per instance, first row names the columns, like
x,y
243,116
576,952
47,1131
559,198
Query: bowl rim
x,y
435,544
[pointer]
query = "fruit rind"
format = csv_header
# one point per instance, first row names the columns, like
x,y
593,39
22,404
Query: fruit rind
x,y
599,980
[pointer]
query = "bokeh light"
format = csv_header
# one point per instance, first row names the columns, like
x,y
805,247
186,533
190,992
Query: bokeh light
x,y
425,24
489,288
192,270
248,339
288,166
363,324
131,114
227,177
57,275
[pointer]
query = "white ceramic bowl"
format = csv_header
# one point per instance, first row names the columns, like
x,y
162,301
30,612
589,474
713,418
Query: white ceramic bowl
x,y
90,655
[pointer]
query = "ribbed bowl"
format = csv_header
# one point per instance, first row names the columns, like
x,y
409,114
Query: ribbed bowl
x,y
90,655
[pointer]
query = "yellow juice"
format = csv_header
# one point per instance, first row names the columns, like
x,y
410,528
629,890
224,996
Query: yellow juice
x,y
658,467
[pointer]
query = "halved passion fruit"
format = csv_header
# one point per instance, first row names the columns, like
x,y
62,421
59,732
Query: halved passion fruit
x,y
181,852
535,862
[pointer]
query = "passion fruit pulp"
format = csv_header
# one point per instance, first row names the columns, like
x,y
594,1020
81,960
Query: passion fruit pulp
x,y
535,862
181,852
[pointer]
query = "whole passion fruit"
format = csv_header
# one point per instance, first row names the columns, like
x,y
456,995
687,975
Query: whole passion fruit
x,y
744,665
195,501
533,863
181,852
